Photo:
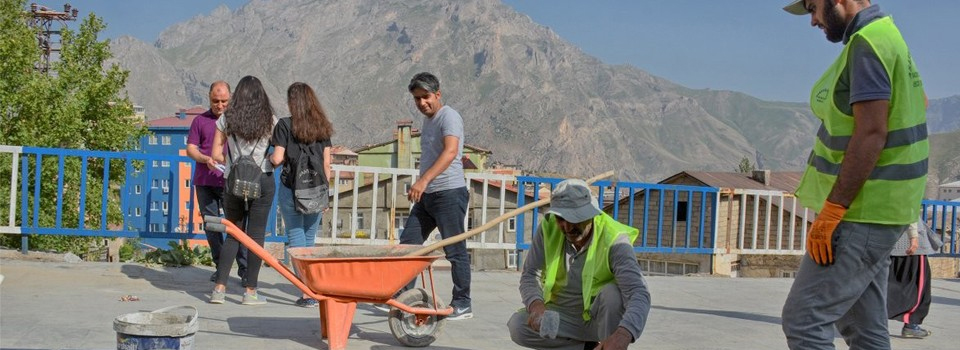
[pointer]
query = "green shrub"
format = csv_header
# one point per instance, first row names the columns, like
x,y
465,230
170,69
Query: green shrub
x,y
179,254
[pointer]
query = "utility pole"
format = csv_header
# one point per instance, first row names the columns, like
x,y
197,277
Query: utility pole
x,y
41,20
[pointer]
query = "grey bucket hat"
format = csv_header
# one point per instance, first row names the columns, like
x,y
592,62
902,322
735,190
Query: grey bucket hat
x,y
572,201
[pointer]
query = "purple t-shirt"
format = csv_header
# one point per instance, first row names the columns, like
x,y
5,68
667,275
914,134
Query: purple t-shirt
x,y
202,131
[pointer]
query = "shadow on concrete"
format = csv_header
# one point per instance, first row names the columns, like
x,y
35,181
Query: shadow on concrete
x,y
730,314
946,301
303,330
195,281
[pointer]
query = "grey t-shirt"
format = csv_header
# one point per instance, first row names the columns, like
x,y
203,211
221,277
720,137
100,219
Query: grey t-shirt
x,y
243,147
446,122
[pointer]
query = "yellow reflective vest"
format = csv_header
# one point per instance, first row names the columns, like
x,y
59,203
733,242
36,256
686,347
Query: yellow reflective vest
x,y
893,191
596,269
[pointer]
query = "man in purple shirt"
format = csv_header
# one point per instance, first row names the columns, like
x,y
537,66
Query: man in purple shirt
x,y
207,174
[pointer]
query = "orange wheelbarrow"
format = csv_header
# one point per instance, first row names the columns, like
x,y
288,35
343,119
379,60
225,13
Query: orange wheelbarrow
x,y
339,277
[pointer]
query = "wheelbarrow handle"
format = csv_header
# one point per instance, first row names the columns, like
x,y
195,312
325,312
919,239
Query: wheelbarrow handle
x,y
254,247
463,236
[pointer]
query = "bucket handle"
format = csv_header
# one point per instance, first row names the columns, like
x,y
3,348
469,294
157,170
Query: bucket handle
x,y
193,320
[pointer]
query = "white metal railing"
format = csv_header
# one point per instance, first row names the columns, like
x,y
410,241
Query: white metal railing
x,y
367,201
10,226
780,227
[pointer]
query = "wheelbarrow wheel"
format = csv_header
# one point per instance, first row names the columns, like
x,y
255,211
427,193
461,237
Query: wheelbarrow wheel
x,y
405,327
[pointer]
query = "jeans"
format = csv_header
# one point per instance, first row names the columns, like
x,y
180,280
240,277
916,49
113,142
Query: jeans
x,y
443,210
849,295
301,229
251,217
209,201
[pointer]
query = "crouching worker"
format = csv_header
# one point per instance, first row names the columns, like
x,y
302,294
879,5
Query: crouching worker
x,y
582,272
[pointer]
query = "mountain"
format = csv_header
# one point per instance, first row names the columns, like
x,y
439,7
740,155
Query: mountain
x,y
943,115
531,97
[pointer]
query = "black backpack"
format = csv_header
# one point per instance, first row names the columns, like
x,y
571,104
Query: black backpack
x,y
244,178
308,181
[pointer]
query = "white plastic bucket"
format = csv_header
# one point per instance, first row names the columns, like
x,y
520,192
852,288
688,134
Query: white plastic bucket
x,y
157,330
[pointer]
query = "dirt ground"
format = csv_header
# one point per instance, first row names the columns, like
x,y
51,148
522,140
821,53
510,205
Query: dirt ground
x,y
13,254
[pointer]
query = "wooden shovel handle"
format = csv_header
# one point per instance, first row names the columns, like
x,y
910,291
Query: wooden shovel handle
x,y
463,236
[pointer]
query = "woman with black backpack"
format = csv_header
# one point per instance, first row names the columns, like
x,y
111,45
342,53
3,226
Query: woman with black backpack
x,y
245,129
302,145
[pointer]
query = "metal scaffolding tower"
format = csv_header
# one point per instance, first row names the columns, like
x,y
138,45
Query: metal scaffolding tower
x,y
42,19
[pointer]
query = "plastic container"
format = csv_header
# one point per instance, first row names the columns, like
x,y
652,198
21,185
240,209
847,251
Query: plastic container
x,y
157,330
549,324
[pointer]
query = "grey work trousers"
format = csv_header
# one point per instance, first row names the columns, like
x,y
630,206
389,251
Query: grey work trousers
x,y
849,295
605,315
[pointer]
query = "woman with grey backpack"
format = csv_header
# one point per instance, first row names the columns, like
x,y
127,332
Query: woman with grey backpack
x,y
302,145
908,289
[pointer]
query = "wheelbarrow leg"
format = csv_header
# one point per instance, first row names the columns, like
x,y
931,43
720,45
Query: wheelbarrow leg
x,y
335,320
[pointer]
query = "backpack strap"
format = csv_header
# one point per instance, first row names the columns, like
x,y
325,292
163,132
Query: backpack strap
x,y
237,144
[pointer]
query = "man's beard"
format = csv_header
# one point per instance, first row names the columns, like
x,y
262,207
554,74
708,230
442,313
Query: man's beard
x,y
833,23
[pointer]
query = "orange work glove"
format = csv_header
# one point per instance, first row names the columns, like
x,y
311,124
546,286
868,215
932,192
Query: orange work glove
x,y
820,236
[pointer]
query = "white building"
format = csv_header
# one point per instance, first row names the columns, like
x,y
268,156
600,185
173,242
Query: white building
x,y
949,191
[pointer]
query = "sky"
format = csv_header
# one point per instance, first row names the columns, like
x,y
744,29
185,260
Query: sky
x,y
751,46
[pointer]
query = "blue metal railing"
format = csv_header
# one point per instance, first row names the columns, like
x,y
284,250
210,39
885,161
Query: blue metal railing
x,y
942,218
138,196
684,223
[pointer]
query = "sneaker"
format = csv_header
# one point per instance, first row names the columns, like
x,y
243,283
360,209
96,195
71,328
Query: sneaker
x,y
306,302
461,313
382,307
910,332
253,299
217,297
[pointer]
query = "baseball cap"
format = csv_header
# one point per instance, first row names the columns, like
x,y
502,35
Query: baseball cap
x,y
797,7
572,201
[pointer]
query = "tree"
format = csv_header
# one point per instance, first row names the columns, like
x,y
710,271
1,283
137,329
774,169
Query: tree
x,y
745,167
80,105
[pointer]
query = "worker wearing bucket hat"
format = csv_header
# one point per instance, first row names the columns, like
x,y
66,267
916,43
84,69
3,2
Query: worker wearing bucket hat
x,y
865,178
581,266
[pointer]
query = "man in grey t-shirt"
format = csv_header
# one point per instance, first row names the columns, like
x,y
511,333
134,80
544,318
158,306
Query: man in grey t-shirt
x,y
440,193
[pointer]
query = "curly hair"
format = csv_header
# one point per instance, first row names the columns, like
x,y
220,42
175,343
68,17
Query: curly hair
x,y
310,123
249,115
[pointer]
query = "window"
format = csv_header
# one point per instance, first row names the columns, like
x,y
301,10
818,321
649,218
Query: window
x,y
184,140
154,206
154,164
136,211
156,183
682,211
152,140
511,259
165,164
512,224
360,221
165,184
186,183
399,221
165,139
136,189
163,205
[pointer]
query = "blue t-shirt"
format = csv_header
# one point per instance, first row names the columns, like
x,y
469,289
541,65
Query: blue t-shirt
x,y
446,122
